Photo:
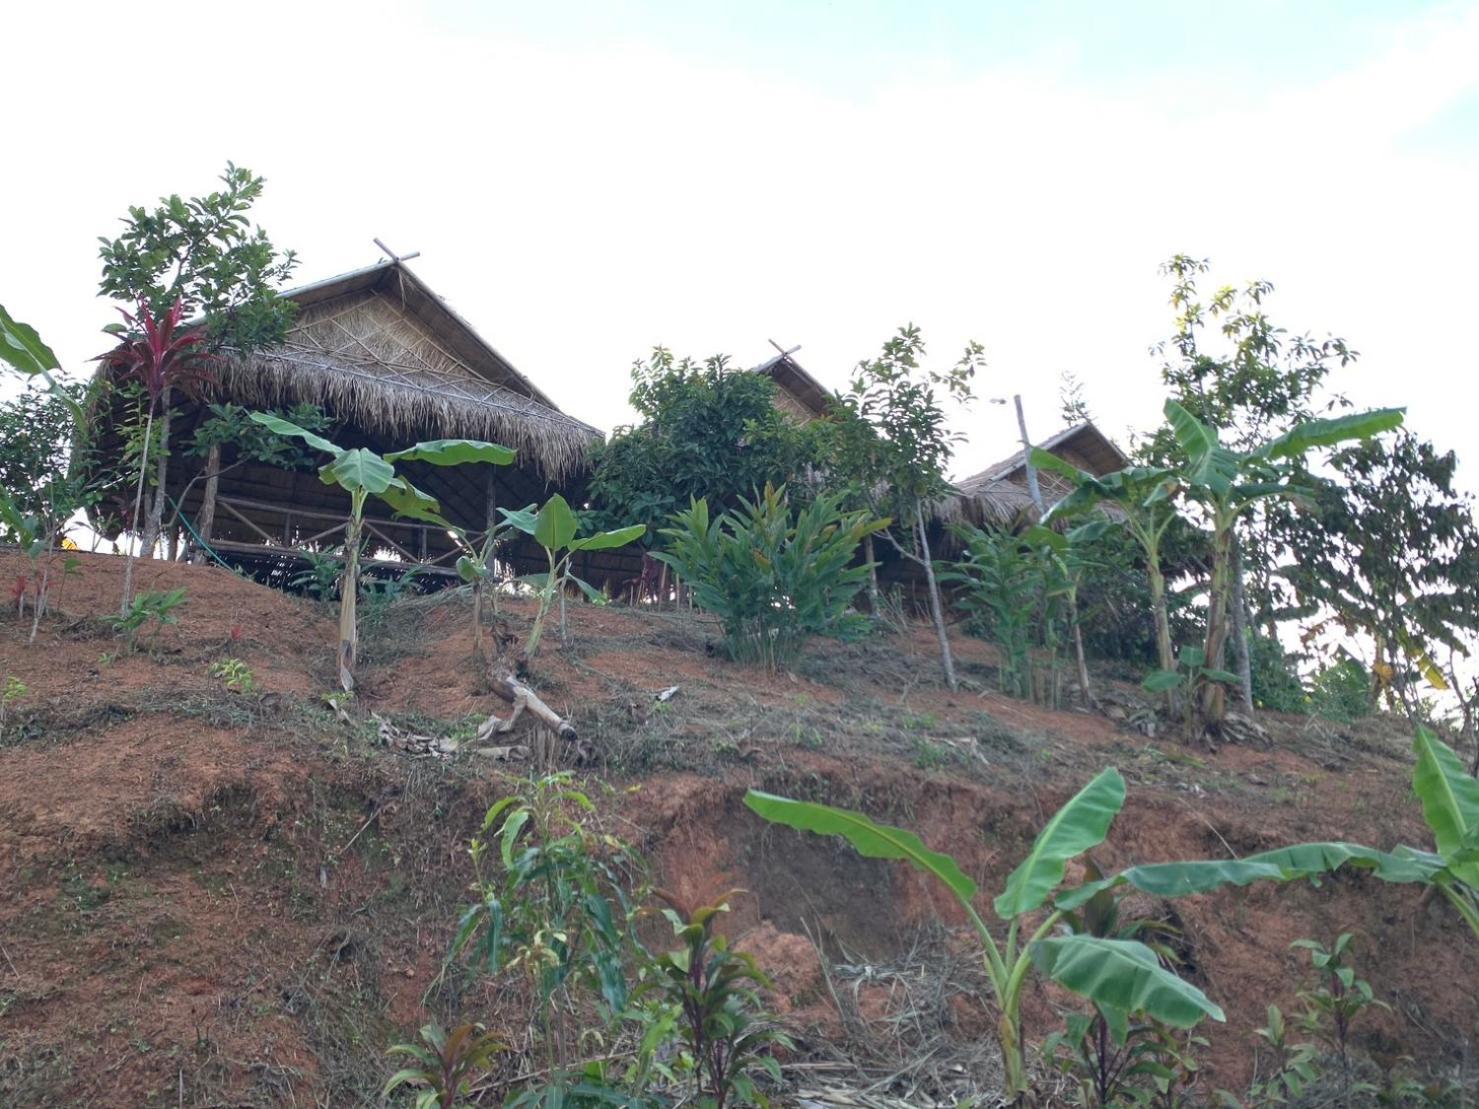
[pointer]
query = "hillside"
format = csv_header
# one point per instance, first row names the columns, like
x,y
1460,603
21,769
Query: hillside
x,y
232,898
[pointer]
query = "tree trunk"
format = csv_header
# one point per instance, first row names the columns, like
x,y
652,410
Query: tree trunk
x,y
155,524
1085,694
872,575
349,595
128,563
1162,620
1241,646
937,614
1214,694
205,522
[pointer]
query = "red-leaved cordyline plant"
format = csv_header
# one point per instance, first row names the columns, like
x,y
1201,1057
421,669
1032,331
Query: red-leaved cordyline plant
x,y
159,360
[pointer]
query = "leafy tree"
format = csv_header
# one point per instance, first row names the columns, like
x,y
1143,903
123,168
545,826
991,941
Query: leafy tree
x,y
204,255
1226,484
1073,406
158,359
1391,548
706,433
1233,368
887,446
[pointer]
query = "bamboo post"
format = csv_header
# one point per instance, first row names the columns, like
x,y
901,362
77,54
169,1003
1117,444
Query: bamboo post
x,y
205,520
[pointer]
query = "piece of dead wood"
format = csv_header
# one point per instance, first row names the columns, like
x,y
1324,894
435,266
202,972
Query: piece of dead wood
x,y
506,685
421,746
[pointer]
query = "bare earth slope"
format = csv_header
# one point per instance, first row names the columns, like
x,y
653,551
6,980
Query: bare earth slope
x,y
215,898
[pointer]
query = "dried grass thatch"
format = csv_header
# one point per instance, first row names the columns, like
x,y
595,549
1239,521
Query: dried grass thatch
x,y
365,358
998,495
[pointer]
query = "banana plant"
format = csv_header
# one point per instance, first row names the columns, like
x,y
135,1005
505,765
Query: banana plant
x,y
1141,499
1450,805
1191,672
476,566
1227,483
1121,974
553,527
363,474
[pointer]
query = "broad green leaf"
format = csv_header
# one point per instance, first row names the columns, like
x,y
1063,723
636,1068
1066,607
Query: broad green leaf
x,y
1079,825
1124,975
406,500
357,469
23,348
555,525
468,570
1450,801
1047,460
290,429
1040,536
521,519
608,539
1304,860
592,594
1226,677
1212,465
454,452
1159,681
873,841
1326,433
1192,436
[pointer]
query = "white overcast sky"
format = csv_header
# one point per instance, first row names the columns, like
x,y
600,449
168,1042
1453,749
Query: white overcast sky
x,y
585,180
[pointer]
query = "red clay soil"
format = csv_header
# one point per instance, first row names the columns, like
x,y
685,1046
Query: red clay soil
x,y
218,898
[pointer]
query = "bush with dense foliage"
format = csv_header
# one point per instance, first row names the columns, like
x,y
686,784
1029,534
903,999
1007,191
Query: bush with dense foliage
x,y
707,432
774,575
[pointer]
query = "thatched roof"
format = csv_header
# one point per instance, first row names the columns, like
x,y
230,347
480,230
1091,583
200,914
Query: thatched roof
x,y
798,394
998,494
390,364
380,350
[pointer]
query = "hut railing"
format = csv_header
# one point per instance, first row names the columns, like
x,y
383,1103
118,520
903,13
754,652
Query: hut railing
x,y
409,540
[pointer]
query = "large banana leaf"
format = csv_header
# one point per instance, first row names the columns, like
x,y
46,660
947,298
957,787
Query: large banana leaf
x,y
1326,433
554,526
290,429
23,348
406,500
606,540
874,841
1123,975
1450,801
1303,860
1079,825
1213,466
454,452
357,469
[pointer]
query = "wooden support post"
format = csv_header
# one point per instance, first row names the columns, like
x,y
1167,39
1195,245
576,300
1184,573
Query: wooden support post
x,y
205,521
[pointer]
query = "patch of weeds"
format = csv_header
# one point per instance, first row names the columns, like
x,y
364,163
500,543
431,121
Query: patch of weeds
x,y
920,722
931,756
234,674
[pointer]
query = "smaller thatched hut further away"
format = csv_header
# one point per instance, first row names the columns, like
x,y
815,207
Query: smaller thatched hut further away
x,y
390,363
797,393
998,494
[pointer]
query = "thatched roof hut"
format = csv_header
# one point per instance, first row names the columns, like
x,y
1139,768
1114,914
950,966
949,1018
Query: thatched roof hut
x,y
798,394
390,363
998,494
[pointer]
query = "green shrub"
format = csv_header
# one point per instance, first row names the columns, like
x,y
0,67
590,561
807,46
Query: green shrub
x,y
1341,692
1276,683
1017,589
773,578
